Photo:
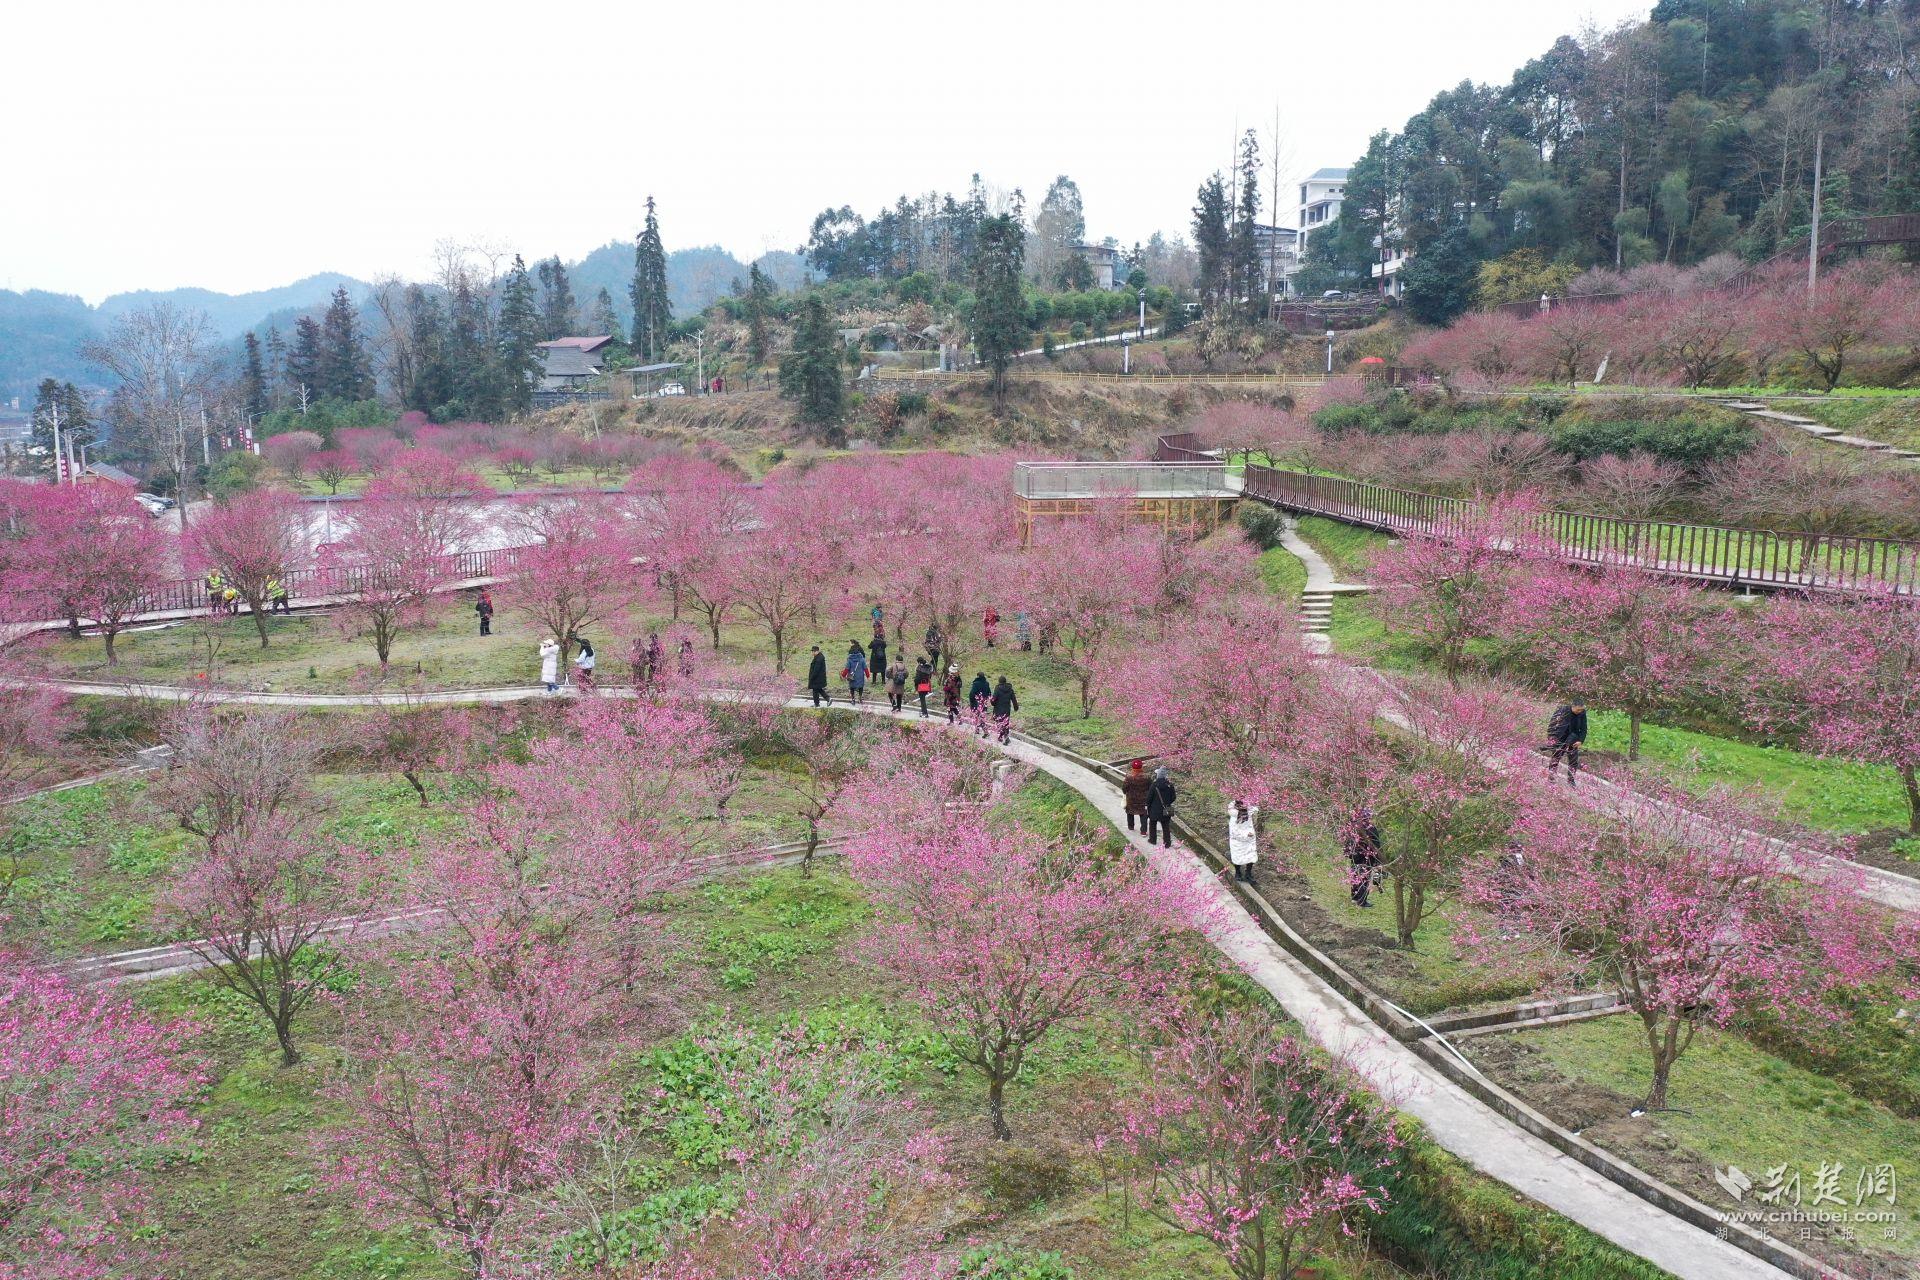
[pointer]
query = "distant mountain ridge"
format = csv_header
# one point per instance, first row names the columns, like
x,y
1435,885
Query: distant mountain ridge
x,y
41,333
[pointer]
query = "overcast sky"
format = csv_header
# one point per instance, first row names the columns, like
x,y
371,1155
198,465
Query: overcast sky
x,y
240,146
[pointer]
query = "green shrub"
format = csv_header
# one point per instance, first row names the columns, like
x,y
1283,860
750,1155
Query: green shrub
x,y
1347,417
1687,441
1262,524
998,1264
1444,1220
912,402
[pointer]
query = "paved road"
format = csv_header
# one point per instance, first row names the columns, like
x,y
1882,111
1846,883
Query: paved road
x,y
1462,1125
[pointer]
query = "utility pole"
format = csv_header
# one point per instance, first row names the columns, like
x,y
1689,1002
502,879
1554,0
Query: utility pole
x,y
1813,243
59,458
700,361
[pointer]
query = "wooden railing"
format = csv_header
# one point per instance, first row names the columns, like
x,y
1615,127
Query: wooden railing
x,y
1704,552
190,594
1181,447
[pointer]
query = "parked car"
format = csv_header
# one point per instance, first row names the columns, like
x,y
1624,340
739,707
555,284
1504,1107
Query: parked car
x,y
154,503
671,389
1334,295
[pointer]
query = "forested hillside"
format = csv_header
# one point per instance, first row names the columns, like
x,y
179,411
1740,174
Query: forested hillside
x,y
1691,134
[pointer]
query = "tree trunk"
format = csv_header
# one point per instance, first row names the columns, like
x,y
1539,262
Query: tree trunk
x,y
1633,734
260,618
1407,902
112,658
997,1107
1912,781
813,845
413,779
283,1032
73,625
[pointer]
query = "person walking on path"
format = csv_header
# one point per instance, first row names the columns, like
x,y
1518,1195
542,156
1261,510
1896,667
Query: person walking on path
x,y
1243,839
897,683
879,615
817,678
656,659
936,643
278,601
991,625
1361,843
877,657
550,664
216,592
1160,799
1565,732
856,673
686,657
637,659
1134,788
1023,631
950,690
980,701
923,684
584,662
484,608
1004,705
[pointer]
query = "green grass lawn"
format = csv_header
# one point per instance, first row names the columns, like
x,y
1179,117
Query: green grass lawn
x,y
1735,1104
1283,574
1894,420
1348,548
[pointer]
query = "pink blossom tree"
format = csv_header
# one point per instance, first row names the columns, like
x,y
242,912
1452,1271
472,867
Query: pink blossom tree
x,y
692,515
331,467
86,553
251,540
292,450
1003,939
1448,586
578,570
91,1091
258,904
1084,580
1235,700
1826,328
1637,486
1692,920
1617,635
1844,679
1242,1137
399,556
778,575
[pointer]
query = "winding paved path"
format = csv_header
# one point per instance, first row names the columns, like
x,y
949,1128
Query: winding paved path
x,y
1456,1121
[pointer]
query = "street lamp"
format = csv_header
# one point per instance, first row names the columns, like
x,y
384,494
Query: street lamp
x,y
1143,313
1329,351
1126,354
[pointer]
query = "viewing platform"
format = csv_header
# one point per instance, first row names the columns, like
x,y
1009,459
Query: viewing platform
x,y
1191,498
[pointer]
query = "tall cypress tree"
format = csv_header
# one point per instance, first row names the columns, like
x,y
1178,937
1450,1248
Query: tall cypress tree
x,y
344,370
1245,267
517,345
652,313
556,299
604,320
253,379
305,363
431,390
810,373
759,302
1212,236
1000,304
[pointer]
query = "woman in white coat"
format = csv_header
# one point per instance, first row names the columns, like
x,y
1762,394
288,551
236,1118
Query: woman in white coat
x,y
1243,839
550,664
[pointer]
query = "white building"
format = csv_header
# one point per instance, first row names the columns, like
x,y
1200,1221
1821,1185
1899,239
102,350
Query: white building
x,y
1320,197
1279,250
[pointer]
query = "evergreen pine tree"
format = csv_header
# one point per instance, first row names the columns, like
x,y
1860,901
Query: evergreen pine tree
x,y
65,402
276,369
343,373
556,300
517,345
469,363
1212,236
1244,269
1000,304
652,313
253,379
305,363
431,389
759,302
810,373
605,320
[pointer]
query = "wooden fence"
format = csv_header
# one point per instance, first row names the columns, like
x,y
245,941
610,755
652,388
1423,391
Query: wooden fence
x,y
190,594
1720,554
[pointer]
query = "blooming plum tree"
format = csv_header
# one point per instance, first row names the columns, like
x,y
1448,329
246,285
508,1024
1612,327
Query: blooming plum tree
x,y
251,540
578,571
83,553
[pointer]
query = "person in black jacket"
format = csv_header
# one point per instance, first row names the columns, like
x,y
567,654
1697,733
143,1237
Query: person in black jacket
x,y
1160,798
1004,705
1565,732
484,607
877,658
1361,840
817,678
979,700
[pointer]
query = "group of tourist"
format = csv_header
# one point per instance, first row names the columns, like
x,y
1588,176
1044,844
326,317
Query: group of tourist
x,y
989,704
223,597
